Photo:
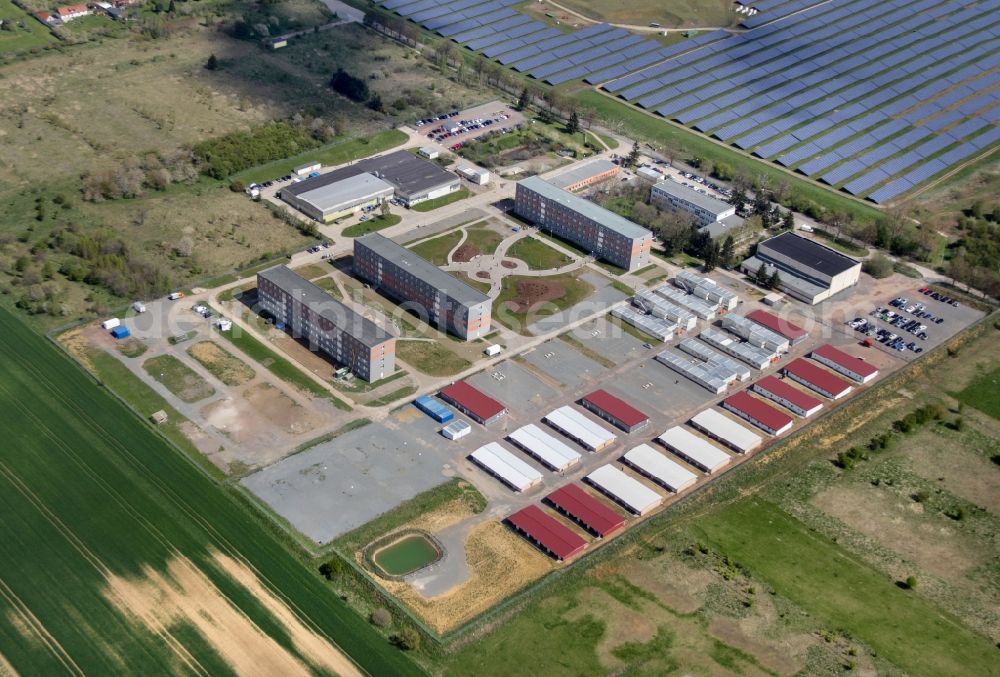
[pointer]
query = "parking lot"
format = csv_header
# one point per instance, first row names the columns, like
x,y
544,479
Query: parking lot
x,y
453,128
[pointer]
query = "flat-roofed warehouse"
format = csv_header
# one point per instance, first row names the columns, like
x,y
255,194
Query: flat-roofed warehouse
x,y
411,179
597,518
626,491
807,270
647,461
758,412
473,403
615,410
850,366
574,425
704,208
327,202
755,334
552,452
449,303
779,325
723,429
506,467
546,532
356,342
603,233
584,174
819,379
697,451
787,395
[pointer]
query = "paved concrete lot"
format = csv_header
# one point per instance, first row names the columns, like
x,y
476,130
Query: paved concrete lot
x,y
604,296
659,392
521,392
565,364
336,486
609,340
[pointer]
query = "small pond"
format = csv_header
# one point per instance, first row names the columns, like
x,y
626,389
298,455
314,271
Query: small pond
x,y
407,555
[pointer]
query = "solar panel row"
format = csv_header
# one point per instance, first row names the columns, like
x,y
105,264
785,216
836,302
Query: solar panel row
x,y
861,92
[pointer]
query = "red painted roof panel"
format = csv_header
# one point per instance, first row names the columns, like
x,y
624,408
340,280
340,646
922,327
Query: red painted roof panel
x,y
548,532
481,405
791,393
616,407
790,331
759,410
586,509
818,376
837,356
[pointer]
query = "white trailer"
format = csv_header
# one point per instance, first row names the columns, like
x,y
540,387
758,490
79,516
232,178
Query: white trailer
x,y
720,427
108,325
657,467
696,450
506,467
576,426
624,490
552,452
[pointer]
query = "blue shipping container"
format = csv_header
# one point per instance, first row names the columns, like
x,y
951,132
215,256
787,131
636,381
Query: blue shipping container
x,y
120,332
434,409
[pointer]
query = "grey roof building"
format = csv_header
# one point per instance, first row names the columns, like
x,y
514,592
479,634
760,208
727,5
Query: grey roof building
x,y
445,300
331,201
326,323
584,174
413,179
705,208
808,270
601,232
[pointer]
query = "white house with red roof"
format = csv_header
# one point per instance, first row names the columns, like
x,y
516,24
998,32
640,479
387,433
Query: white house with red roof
x,y
70,12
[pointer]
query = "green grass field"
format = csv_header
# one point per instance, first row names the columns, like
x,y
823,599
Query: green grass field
x,y
438,202
279,366
371,225
335,153
27,36
178,378
90,494
672,14
537,254
484,240
981,393
574,291
436,249
430,357
823,578
659,132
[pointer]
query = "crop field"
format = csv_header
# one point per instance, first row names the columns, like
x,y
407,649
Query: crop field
x,y
796,565
108,532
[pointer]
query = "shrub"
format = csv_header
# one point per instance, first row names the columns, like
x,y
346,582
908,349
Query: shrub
x,y
347,85
331,569
380,618
408,639
911,582
878,266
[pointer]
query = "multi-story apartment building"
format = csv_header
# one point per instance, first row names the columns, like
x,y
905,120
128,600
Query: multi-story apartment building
x,y
703,207
605,234
327,324
447,302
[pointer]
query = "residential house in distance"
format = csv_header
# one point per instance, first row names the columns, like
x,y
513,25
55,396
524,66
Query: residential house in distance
x,y
449,303
327,324
70,12
604,234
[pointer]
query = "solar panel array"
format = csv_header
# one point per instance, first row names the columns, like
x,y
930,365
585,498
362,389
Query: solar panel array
x,y
870,96
596,54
